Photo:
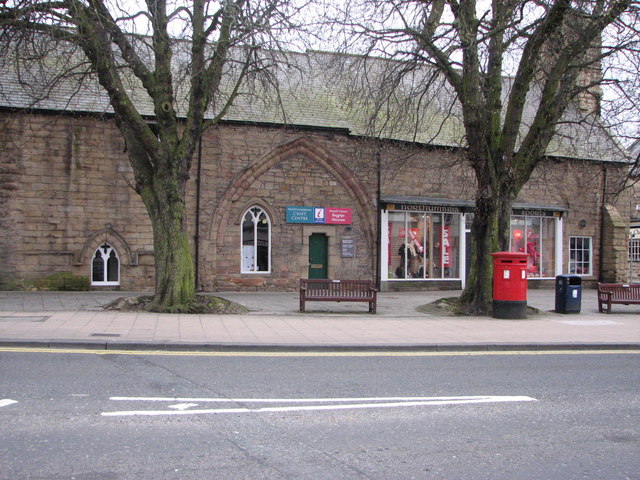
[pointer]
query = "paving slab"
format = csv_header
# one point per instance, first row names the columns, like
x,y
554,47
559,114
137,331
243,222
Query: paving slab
x,y
56,319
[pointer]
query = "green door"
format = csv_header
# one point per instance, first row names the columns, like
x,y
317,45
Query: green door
x,y
318,255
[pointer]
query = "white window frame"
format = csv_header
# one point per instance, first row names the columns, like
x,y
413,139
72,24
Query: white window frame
x,y
105,258
253,268
557,228
384,246
634,245
574,264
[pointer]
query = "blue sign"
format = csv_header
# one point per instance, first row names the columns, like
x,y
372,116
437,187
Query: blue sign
x,y
318,215
301,215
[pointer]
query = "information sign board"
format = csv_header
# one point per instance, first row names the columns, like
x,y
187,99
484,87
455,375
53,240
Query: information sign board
x,y
300,215
320,215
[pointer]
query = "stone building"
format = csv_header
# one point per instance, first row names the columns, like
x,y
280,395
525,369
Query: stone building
x,y
272,201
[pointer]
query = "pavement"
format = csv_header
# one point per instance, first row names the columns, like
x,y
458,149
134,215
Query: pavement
x,y
274,323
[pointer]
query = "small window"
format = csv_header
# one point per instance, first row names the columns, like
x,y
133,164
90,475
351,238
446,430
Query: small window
x,y
634,245
256,241
580,256
105,266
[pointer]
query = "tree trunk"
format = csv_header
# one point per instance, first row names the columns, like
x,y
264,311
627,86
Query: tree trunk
x,y
504,219
175,278
478,293
491,232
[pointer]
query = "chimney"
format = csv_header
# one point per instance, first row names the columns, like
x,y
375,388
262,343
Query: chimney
x,y
588,83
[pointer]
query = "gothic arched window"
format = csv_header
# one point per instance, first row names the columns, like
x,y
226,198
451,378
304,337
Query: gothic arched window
x,y
105,266
256,241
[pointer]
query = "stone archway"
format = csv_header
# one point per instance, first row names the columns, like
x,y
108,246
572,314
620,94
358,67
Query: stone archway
x,y
113,238
312,151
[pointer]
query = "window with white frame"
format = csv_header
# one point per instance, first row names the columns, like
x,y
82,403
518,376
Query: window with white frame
x,y
634,245
256,241
580,255
105,266
535,235
423,245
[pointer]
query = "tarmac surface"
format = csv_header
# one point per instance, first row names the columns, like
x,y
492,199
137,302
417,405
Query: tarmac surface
x,y
274,323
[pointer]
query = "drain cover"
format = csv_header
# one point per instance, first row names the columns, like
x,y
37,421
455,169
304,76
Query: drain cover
x,y
112,335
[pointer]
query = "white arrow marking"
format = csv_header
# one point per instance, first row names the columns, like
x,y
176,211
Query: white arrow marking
x,y
294,400
380,402
183,406
7,401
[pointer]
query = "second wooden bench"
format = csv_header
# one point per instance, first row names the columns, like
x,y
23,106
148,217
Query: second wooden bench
x,y
622,293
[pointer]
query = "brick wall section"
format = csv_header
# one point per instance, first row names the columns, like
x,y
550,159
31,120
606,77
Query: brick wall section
x,y
10,174
65,186
293,169
615,260
634,272
74,180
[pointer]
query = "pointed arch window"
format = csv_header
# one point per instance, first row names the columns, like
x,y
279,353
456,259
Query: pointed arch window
x,y
256,241
105,266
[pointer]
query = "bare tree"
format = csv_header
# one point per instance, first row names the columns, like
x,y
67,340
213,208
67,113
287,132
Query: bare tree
x,y
510,69
181,65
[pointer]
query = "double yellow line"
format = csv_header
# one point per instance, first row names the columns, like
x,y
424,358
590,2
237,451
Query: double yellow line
x,y
294,353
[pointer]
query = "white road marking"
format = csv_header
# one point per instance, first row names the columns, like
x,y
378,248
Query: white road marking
x,y
7,401
338,404
293,400
183,406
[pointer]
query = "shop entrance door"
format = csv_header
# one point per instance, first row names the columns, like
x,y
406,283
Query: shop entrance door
x,y
318,255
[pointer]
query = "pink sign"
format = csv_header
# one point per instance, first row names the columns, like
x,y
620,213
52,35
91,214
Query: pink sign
x,y
338,216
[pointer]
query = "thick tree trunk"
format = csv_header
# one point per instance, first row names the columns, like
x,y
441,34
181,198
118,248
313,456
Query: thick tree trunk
x,y
478,293
491,230
505,207
175,278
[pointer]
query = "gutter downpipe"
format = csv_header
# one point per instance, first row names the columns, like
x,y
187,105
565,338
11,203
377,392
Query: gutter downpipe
x,y
379,222
602,214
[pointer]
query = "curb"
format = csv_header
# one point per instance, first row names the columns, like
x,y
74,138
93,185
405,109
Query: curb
x,y
302,348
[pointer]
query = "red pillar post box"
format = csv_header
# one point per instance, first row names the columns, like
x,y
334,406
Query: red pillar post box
x,y
509,285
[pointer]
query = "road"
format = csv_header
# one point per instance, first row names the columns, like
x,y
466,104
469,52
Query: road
x,y
483,416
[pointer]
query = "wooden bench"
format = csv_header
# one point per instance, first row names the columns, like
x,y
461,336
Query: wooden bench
x,y
622,293
326,290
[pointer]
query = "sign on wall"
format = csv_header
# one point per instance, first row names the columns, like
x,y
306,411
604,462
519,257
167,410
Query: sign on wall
x,y
321,215
348,248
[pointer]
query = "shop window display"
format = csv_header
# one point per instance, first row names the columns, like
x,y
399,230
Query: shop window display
x,y
423,245
536,237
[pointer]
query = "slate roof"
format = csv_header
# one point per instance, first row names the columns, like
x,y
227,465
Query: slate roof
x,y
316,89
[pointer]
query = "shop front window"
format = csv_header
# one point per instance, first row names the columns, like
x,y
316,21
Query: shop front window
x,y
536,237
423,245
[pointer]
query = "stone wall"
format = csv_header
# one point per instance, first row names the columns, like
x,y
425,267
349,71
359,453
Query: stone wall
x,y
69,187
66,187
615,259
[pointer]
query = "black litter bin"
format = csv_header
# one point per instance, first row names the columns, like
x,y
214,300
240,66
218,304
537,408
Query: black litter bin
x,y
568,293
